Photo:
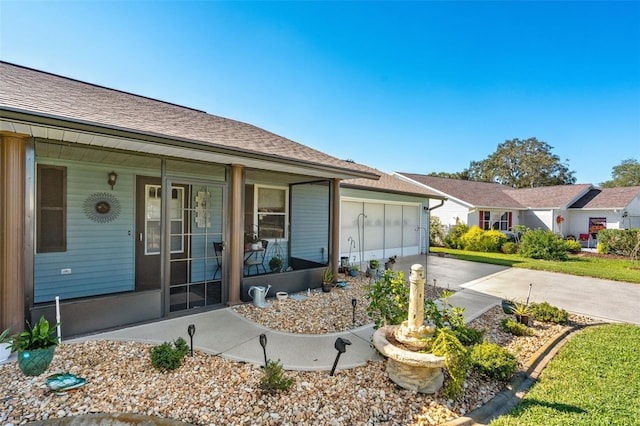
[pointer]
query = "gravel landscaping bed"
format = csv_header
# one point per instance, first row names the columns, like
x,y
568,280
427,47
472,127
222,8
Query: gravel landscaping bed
x,y
208,389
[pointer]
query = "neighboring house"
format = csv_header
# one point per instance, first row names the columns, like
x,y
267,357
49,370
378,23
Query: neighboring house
x,y
383,218
132,209
578,210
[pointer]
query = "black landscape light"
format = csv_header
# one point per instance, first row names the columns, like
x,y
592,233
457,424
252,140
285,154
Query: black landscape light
x,y
191,330
340,346
263,343
354,302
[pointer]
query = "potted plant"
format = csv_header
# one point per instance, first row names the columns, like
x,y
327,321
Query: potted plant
x,y
35,347
275,264
327,279
354,270
5,345
507,306
390,262
522,312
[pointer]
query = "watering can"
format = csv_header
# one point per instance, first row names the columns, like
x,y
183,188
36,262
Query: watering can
x,y
259,294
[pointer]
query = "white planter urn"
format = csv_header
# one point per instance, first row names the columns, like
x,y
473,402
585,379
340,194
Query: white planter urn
x,y
5,351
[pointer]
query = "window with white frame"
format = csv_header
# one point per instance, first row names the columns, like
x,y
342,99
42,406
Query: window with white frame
x,y
500,221
271,210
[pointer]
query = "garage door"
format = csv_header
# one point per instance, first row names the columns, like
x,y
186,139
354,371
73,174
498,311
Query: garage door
x,y
378,230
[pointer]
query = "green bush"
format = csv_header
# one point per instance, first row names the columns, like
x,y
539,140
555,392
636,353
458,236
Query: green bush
x,y
509,248
388,299
475,239
468,336
436,232
168,356
493,361
456,356
539,244
273,379
452,240
573,246
512,326
617,241
547,313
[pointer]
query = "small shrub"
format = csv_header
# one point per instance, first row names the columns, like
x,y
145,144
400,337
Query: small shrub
x,y
573,246
468,336
512,326
452,240
475,239
456,360
273,379
388,299
509,248
436,232
168,356
547,313
493,361
539,244
617,241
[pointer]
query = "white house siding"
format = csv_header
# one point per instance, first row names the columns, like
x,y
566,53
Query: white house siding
x,y
633,214
451,210
392,225
538,219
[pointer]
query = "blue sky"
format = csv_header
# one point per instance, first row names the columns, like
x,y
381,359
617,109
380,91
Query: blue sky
x,y
411,86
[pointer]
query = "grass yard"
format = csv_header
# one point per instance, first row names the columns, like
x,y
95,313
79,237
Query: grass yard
x,y
597,267
593,380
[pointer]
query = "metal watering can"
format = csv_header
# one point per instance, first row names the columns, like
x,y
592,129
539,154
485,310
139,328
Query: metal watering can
x,y
259,294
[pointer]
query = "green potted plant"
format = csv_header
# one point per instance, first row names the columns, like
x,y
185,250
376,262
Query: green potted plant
x,y
5,345
354,270
275,264
35,347
507,306
522,312
327,279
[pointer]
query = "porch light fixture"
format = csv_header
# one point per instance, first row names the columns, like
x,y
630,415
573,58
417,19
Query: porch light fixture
x,y
113,177
191,330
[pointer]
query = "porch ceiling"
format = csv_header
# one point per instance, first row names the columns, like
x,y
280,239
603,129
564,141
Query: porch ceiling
x,y
157,146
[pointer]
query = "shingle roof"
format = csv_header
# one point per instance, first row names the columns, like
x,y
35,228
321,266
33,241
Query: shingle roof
x,y
474,193
607,198
548,196
484,194
391,184
41,93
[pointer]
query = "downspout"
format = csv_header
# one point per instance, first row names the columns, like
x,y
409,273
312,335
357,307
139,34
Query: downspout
x,y
428,227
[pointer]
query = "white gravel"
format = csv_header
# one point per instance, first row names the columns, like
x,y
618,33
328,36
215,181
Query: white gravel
x,y
207,389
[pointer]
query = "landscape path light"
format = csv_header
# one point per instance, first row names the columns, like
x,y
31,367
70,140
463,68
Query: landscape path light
x,y
341,347
263,343
191,330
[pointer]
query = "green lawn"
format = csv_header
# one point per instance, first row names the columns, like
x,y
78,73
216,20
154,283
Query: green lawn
x,y
610,269
593,380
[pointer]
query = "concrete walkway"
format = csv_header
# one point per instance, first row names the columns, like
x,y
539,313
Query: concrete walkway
x,y
478,288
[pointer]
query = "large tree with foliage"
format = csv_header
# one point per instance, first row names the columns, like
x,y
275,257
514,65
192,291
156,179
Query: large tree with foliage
x,y
626,173
522,164
463,175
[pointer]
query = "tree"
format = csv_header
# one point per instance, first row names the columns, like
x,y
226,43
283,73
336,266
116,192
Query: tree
x,y
463,175
522,164
627,173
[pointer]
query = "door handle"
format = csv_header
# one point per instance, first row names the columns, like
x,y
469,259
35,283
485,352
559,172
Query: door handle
x,y
140,237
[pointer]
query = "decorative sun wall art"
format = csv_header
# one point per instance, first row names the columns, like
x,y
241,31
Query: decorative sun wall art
x,y
101,207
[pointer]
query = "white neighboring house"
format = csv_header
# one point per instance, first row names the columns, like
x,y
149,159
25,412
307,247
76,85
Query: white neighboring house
x,y
578,210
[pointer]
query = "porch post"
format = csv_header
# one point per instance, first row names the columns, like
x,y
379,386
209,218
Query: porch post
x,y
235,247
12,244
334,218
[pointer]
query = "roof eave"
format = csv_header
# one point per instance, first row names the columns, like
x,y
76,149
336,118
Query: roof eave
x,y
91,127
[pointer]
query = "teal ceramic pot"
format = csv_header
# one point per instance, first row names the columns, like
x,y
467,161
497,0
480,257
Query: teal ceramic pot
x,y
35,362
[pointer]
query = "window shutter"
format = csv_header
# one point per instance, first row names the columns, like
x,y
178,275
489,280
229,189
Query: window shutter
x,y
510,217
52,209
481,220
